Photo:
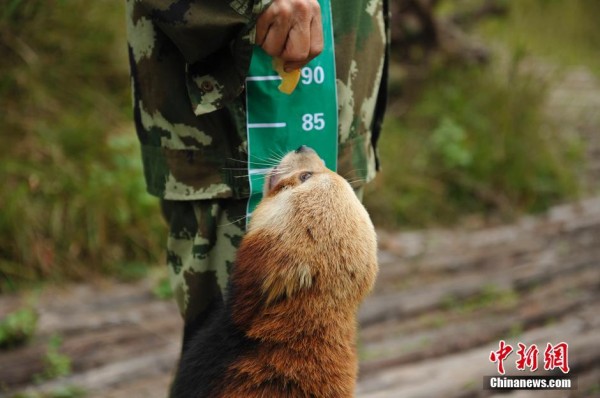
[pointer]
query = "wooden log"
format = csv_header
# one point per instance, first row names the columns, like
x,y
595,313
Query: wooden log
x,y
461,375
98,325
432,295
394,346
152,364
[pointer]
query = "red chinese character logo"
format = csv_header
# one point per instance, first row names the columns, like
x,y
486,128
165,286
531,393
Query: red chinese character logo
x,y
500,355
528,357
557,357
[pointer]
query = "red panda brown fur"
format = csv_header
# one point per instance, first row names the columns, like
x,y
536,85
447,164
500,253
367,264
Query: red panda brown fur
x,y
306,263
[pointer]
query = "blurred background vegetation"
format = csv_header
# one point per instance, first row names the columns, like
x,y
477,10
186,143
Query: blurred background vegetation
x,y
73,198
466,132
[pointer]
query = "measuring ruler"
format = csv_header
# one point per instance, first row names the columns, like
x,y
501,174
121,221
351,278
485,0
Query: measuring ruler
x,y
278,123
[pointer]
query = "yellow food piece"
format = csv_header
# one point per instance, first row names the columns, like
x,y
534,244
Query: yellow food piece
x,y
289,80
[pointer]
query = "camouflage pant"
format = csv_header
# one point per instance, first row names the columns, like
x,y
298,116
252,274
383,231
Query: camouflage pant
x,y
203,238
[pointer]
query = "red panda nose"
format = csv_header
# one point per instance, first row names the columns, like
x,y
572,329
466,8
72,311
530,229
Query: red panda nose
x,y
304,149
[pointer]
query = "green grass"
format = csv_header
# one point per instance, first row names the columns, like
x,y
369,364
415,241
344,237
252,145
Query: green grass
x,y
56,364
473,141
17,327
73,198
562,31
162,289
59,392
490,297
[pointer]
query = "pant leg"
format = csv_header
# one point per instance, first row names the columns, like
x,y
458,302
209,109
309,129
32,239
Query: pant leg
x,y
203,239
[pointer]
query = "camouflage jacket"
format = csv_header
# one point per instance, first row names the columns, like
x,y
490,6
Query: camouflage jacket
x,y
188,63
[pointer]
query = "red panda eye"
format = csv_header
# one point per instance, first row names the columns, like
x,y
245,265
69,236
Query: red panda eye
x,y
305,176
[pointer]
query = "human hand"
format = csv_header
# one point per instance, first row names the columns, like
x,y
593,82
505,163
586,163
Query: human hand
x,y
291,30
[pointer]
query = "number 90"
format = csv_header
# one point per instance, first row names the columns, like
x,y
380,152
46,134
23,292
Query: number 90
x,y
310,75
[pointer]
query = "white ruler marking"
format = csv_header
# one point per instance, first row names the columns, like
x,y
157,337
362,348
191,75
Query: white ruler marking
x,y
262,78
266,125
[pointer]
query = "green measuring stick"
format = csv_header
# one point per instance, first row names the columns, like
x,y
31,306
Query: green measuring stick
x,y
278,123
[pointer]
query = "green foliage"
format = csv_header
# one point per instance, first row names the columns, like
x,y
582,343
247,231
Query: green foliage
x,y
131,271
516,330
73,198
490,297
60,392
162,289
17,327
563,31
449,143
473,142
56,364
592,390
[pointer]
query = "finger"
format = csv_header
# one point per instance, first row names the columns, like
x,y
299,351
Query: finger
x,y
262,27
273,26
297,46
276,37
264,22
316,36
315,46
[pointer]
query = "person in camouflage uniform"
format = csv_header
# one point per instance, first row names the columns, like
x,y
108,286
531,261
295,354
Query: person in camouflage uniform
x,y
188,61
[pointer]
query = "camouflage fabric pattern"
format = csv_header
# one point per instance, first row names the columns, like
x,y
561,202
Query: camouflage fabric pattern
x,y
361,29
203,238
188,63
